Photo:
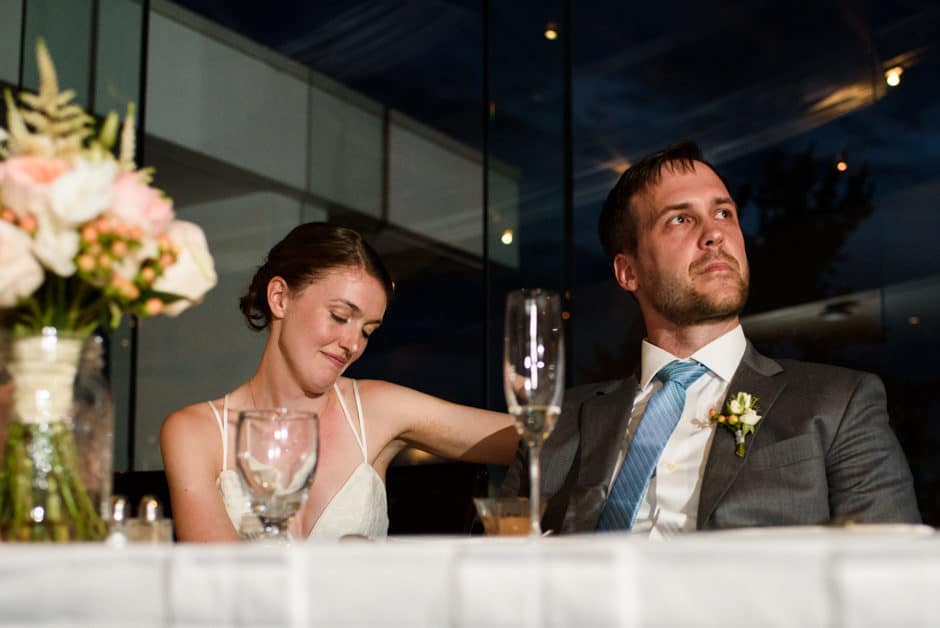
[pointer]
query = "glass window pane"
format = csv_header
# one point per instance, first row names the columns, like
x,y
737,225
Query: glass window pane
x,y
66,27
11,16
117,75
346,147
237,107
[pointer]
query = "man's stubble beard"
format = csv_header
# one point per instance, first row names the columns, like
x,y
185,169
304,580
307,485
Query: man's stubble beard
x,y
683,305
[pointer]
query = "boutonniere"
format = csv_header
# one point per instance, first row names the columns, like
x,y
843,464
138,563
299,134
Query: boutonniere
x,y
740,416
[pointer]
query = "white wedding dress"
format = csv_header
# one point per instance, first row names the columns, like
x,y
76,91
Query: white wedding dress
x,y
359,507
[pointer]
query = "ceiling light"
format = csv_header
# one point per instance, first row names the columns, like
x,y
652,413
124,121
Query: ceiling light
x,y
551,31
893,75
620,166
506,238
841,166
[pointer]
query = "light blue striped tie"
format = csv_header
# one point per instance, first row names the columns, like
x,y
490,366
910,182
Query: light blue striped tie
x,y
656,426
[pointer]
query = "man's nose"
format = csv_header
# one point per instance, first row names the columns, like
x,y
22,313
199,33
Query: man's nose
x,y
711,236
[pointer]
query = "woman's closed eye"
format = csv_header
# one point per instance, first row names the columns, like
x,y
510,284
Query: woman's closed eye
x,y
339,319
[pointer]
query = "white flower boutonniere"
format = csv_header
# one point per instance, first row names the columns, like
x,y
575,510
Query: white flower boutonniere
x,y
740,416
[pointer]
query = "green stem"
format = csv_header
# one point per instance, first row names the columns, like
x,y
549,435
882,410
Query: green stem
x,y
75,309
65,499
93,528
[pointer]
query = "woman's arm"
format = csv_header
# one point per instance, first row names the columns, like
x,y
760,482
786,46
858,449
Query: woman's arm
x,y
192,458
440,427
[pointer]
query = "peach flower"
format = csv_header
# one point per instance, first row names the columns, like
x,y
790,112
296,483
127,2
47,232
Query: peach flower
x,y
25,183
138,204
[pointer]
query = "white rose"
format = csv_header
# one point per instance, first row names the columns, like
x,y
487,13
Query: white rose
x,y
20,273
740,403
751,418
193,274
56,246
82,192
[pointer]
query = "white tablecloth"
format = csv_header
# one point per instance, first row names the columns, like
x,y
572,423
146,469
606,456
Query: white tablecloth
x,y
887,576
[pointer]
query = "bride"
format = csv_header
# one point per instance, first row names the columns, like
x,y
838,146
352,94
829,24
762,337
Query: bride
x,y
321,294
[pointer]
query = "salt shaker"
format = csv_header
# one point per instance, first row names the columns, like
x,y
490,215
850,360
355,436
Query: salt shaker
x,y
118,532
151,526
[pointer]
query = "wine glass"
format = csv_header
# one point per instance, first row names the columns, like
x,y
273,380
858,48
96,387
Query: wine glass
x,y
277,454
534,376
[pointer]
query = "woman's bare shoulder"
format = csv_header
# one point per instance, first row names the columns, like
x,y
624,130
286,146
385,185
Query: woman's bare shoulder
x,y
197,418
382,388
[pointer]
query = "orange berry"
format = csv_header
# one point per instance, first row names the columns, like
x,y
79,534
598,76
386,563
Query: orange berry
x,y
89,233
153,306
119,248
85,263
28,224
147,275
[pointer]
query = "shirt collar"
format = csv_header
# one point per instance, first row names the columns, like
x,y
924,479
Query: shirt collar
x,y
722,356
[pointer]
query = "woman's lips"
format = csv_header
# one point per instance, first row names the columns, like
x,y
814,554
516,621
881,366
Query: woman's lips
x,y
336,360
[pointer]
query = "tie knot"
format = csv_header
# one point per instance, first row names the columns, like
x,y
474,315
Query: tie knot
x,y
681,373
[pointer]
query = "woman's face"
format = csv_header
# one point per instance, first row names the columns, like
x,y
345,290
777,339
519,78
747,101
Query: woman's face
x,y
325,327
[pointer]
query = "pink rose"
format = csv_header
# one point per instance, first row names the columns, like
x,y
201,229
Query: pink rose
x,y
136,203
25,183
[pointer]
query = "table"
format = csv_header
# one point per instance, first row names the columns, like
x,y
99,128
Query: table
x,y
832,578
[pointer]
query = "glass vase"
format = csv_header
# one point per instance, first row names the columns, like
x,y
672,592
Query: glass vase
x,y
55,476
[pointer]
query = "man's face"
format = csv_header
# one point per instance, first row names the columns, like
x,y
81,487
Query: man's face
x,y
690,266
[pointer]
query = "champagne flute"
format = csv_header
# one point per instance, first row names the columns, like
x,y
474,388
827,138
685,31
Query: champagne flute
x,y
277,455
533,377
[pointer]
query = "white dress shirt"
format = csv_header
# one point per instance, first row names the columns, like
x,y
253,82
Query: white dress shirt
x,y
670,504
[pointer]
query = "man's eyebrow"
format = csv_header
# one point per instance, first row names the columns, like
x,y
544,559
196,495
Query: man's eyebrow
x,y
718,200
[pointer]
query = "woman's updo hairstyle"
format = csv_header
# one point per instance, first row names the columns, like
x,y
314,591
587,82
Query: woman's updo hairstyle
x,y
307,253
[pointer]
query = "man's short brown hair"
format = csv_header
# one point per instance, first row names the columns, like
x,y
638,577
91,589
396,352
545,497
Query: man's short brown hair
x,y
617,223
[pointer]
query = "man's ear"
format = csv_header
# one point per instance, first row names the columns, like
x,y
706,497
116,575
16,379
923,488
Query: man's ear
x,y
625,271
278,296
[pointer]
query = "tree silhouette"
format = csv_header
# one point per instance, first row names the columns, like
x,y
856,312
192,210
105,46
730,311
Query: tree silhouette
x,y
807,211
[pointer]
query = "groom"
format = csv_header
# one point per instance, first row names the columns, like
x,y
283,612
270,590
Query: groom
x,y
646,454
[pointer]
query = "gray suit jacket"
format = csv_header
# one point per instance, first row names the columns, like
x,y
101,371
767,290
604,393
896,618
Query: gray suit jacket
x,y
822,451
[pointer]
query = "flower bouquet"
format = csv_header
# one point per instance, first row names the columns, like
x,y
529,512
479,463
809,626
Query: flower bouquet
x,y
84,239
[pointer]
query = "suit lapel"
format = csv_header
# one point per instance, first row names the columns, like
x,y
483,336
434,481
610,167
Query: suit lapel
x,y
604,421
754,376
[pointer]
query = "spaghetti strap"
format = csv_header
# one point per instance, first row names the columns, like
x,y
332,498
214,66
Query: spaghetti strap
x,y
342,403
222,420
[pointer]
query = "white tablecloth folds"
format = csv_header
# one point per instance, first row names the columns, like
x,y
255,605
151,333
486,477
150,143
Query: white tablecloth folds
x,y
859,577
